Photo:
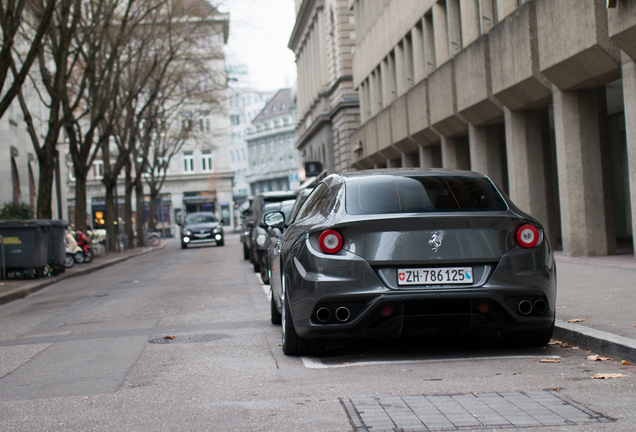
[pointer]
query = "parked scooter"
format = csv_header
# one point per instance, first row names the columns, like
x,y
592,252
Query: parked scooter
x,y
72,249
85,245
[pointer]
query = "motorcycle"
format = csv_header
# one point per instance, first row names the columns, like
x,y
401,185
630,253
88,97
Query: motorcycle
x,y
85,245
73,251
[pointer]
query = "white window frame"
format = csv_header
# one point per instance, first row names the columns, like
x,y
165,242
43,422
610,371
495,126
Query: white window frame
x,y
188,162
207,162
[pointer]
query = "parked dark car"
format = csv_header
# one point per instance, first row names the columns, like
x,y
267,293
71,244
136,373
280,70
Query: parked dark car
x,y
390,252
251,237
202,227
272,240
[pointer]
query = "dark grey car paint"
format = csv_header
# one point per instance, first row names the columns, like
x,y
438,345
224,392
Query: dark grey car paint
x,y
364,272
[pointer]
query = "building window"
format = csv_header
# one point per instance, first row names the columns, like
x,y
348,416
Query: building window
x,y
188,161
206,160
98,169
271,146
243,154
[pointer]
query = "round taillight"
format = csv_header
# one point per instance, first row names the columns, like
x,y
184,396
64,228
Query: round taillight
x,y
527,236
330,241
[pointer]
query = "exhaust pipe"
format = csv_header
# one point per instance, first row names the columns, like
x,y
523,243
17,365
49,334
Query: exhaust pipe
x,y
540,307
323,314
525,307
343,314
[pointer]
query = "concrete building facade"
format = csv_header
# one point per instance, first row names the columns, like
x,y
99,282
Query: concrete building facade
x,y
323,40
273,159
244,106
540,95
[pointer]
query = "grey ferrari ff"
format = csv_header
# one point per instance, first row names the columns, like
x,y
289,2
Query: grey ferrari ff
x,y
385,253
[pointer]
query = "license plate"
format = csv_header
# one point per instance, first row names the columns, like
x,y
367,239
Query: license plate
x,y
435,276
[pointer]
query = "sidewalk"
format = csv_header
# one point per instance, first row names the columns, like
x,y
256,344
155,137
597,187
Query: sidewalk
x,y
13,289
598,292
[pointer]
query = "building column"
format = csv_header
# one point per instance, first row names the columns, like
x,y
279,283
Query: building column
x,y
530,178
629,94
587,221
426,157
486,152
455,153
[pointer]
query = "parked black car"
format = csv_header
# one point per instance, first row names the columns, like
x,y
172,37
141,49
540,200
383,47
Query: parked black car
x,y
272,241
202,227
252,219
410,251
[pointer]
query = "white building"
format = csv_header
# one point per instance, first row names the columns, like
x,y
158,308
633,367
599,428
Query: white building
x,y
245,105
272,155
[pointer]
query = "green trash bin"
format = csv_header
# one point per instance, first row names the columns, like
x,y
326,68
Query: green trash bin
x,y
25,246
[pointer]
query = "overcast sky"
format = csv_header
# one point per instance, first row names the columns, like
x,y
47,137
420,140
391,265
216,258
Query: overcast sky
x,y
259,34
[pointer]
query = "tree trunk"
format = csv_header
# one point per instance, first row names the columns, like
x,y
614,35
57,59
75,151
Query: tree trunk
x,y
139,215
80,199
109,216
46,159
152,211
128,214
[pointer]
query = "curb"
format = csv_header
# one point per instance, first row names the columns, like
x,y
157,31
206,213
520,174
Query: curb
x,y
25,291
600,341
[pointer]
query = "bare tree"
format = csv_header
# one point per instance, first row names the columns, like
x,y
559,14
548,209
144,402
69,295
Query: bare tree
x,y
29,19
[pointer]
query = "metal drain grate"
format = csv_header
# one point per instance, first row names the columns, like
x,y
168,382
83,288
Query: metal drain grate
x,y
473,411
189,339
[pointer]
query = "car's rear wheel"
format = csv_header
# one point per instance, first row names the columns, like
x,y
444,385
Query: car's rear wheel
x,y
256,263
293,345
529,338
275,315
246,252
264,269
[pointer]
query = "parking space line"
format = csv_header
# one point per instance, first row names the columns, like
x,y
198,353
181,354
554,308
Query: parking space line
x,y
316,363
265,287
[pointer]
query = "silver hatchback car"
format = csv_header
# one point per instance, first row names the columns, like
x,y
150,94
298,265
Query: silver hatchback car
x,y
410,251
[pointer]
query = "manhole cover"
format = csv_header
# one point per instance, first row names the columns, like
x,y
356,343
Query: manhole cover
x,y
188,339
473,411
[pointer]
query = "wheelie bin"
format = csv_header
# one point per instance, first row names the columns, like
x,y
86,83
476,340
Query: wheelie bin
x,y
25,246
57,246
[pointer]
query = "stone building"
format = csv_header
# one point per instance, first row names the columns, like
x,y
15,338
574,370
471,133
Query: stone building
x,y
244,106
540,95
323,39
273,159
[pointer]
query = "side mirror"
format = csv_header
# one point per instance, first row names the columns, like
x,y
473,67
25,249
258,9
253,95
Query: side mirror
x,y
275,219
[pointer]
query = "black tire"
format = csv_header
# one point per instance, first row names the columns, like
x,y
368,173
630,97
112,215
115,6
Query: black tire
x,y
89,256
293,345
275,315
69,261
78,257
220,242
264,269
530,338
256,263
246,252
184,245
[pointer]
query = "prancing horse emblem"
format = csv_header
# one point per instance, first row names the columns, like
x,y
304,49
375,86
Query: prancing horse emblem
x,y
436,240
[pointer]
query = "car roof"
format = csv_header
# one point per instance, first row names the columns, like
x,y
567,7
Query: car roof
x,y
404,172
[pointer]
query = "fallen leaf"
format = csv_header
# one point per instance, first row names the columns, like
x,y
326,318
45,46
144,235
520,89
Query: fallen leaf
x,y
403,370
168,337
550,361
576,320
280,344
597,357
625,362
609,375
555,342
566,345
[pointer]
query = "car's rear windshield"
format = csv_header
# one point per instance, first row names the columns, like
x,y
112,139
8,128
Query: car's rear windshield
x,y
200,218
392,194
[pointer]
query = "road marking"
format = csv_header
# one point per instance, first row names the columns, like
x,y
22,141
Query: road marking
x,y
316,363
265,287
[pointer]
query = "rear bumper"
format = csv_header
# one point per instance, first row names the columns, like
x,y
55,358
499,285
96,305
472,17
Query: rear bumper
x,y
527,276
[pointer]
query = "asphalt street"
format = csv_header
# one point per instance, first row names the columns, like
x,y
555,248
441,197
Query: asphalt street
x,y
180,340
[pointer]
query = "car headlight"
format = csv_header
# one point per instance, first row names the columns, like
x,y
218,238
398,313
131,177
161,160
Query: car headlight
x,y
186,232
260,240
218,230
